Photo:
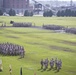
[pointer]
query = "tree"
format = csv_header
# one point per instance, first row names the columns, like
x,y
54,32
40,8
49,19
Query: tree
x,y
48,13
44,13
26,13
12,12
31,13
75,13
58,13
68,12
1,12
62,13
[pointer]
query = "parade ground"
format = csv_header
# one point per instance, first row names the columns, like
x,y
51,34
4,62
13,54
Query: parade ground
x,y
39,44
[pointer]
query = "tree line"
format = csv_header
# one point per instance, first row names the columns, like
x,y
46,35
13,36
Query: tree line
x,y
48,13
13,13
62,13
67,13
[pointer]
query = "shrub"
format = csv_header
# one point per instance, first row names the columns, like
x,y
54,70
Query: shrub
x,y
12,12
67,13
1,12
27,13
58,13
48,13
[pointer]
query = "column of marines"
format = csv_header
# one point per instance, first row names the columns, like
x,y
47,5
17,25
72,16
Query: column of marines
x,y
53,63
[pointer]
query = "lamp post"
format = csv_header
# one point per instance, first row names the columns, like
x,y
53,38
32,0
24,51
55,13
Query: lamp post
x,y
0,65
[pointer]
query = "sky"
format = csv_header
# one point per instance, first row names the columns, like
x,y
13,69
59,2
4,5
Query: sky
x,y
53,0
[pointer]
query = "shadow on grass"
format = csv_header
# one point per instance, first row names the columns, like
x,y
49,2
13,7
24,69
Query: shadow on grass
x,y
56,71
39,69
42,70
50,69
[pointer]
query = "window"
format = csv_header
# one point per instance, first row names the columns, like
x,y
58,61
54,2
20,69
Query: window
x,y
17,11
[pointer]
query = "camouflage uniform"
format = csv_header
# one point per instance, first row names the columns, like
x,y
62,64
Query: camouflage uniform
x,y
59,65
42,63
51,63
56,61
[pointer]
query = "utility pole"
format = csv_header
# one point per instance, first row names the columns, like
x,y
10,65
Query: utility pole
x,y
71,3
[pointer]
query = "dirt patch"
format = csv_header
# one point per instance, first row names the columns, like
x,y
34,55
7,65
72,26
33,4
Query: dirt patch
x,y
65,42
73,72
34,43
69,42
12,37
52,47
20,32
15,32
61,48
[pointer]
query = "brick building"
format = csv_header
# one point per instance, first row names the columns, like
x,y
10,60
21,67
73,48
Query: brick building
x,y
18,5
1,4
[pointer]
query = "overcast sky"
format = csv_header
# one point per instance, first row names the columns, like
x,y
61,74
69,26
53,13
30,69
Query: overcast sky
x,y
53,0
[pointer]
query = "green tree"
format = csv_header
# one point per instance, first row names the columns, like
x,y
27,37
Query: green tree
x,y
62,13
58,14
75,13
48,13
12,12
44,13
68,12
31,13
26,13
1,12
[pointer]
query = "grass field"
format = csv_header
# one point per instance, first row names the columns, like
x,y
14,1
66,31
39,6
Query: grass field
x,y
38,44
39,20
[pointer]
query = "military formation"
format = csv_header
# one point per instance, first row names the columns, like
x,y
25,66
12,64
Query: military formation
x,y
53,27
26,24
70,30
53,63
12,49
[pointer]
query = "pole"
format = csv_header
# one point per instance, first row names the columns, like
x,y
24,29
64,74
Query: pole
x,y
21,71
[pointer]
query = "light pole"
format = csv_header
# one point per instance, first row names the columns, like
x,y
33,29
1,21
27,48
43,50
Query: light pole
x,y
71,3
